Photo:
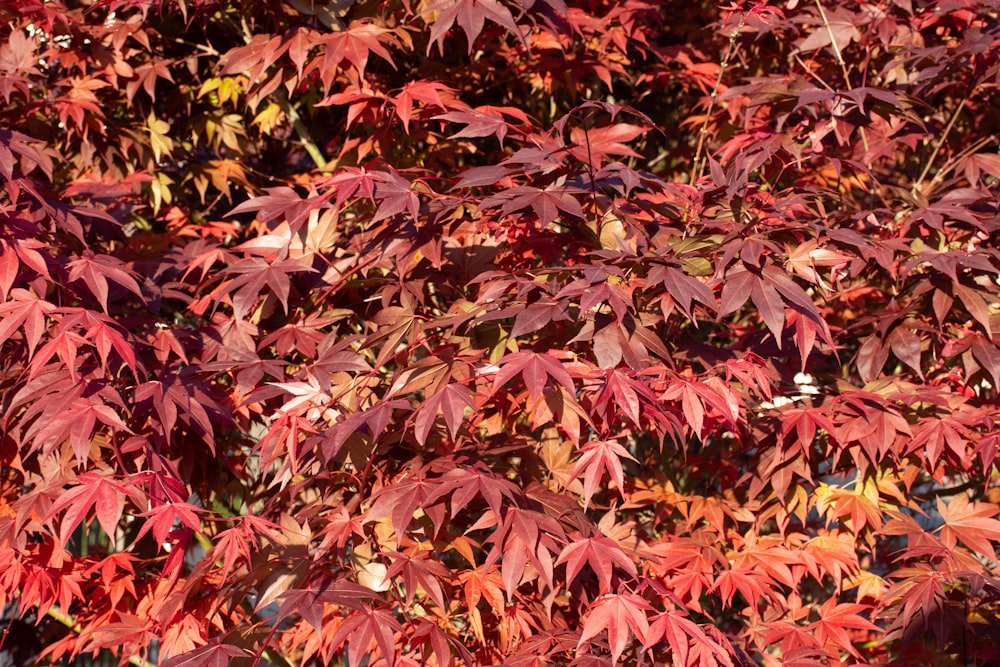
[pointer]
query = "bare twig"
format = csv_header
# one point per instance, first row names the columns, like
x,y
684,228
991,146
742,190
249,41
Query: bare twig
x,y
937,148
812,74
204,48
953,162
699,162
300,129
840,61
590,168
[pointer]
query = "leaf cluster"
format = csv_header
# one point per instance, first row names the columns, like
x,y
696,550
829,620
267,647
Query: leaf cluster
x,y
433,332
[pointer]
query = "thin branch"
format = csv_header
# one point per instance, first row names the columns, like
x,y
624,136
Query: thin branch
x,y
300,129
953,162
937,146
812,74
590,170
841,62
699,162
204,48
945,492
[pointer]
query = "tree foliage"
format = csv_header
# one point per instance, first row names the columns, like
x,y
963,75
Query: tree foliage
x,y
440,332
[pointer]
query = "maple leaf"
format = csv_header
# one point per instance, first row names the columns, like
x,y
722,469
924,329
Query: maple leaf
x,y
522,536
428,92
25,312
769,290
96,270
837,26
597,457
64,345
937,436
534,369
972,523
752,584
177,397
537,316
159,141
145,76
360,628
680,633
396,194
546,203
681,289
76,422
451,401
832,555
260,52
399,501
870,421
483,121
834,621
471,16
13,142
131,633
105,335
355,44
283,203
440,642
12,255
861,504
592,146
920,590
482,582
374,420
240,540
253,274
105,495
161,519
420,569
806,257
601,553
696,396
465,483
213,654
632,397
623,615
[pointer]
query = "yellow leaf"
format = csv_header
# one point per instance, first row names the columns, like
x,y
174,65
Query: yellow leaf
x,y
160,189
159,141
271,117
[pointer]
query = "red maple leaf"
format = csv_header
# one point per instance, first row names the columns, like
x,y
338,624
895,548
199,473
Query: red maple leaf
x,y
623,615
105,495
213,654
534,369
597,457
972,523
360,628
471,16
601,553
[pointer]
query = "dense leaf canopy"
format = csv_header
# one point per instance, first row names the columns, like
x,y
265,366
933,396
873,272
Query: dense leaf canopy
x,y
534,332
